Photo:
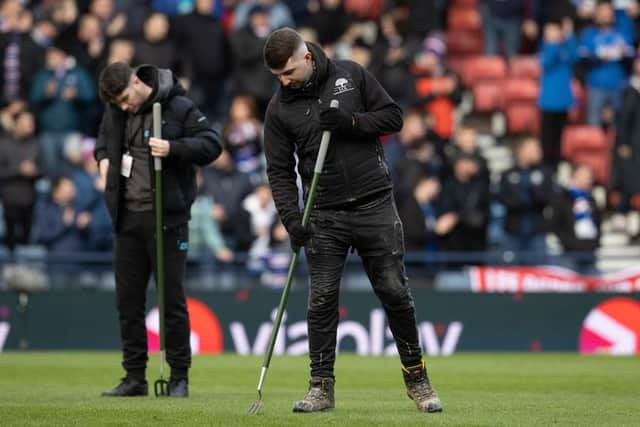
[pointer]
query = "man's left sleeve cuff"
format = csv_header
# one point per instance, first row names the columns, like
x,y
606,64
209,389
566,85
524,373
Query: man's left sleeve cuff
x,y
175,149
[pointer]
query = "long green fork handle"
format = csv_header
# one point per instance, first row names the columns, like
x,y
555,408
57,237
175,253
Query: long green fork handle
x,y
157,167
322,153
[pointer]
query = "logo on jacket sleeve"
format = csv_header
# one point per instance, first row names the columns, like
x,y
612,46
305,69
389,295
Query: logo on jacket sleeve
x,y
342,85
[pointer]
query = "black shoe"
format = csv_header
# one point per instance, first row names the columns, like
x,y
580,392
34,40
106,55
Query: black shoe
x,y
179,388
128,387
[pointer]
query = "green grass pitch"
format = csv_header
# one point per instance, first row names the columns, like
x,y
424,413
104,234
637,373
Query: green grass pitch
x,y
63,388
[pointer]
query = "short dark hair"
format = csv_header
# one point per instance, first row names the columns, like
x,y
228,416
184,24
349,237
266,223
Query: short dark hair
x,y
522,141
280,46
467,123
554,20
113,80
57,181
575,167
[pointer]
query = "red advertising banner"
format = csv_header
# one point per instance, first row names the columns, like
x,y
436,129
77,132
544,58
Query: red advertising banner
x,y
612,327
550,279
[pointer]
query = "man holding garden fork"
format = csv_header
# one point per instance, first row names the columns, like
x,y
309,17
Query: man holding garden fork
x,y
125,152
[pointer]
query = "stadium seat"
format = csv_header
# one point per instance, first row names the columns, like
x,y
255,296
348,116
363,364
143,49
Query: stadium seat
x,y
519,90
464,19
464,3
464,42
484,68
365,9
589,145
524,66
614,200
582,138
457,64
487,96
522,117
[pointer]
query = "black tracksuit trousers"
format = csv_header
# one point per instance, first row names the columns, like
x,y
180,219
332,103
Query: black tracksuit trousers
x,y
135,260
374,229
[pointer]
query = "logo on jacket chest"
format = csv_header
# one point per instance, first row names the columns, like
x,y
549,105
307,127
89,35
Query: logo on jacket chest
x,y
342,85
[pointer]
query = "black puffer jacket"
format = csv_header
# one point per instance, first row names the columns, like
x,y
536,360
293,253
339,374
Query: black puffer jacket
x,y
355,166
562,222
526,193
192,142
17,189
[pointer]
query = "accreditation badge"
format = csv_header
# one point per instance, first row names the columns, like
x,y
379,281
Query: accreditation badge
x,y
127,165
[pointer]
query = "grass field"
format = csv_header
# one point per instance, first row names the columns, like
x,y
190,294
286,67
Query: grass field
x,y
60,389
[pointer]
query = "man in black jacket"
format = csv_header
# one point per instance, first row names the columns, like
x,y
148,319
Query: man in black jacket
x,y
464,210
125,151
353,208
575,218
249,75
525,191
20,55
204,55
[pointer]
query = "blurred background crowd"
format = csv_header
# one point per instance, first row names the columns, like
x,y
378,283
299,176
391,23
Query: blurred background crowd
x,y
521,121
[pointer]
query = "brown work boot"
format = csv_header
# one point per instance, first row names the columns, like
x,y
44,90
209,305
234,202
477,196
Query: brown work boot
x,y
419,388
320,396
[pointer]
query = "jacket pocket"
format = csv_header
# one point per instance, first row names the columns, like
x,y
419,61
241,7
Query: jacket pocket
x,y
178,238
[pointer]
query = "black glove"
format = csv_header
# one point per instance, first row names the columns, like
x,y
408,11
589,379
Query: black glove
x,y
335,119
298,234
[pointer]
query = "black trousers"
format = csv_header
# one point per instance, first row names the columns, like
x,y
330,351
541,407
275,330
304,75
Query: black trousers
x,y
17,220
375,230
551,137
135,260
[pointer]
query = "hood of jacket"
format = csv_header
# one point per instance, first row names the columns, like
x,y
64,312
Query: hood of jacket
x,y
163,82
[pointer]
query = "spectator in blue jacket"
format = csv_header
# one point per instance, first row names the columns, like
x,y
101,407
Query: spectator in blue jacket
x,y
557,56
89,191
604,48
60,93
174,8
626,11
59,225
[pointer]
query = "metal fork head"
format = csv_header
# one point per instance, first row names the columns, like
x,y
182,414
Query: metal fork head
x,y
255,407
161,387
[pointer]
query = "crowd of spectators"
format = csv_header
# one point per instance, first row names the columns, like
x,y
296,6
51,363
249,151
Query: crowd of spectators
x,y
53,51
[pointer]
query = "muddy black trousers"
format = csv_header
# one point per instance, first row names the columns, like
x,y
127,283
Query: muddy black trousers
x,y
135,261
374,229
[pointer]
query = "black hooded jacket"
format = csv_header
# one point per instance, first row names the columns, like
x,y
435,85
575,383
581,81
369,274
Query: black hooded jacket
x,y
192,142
355,167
